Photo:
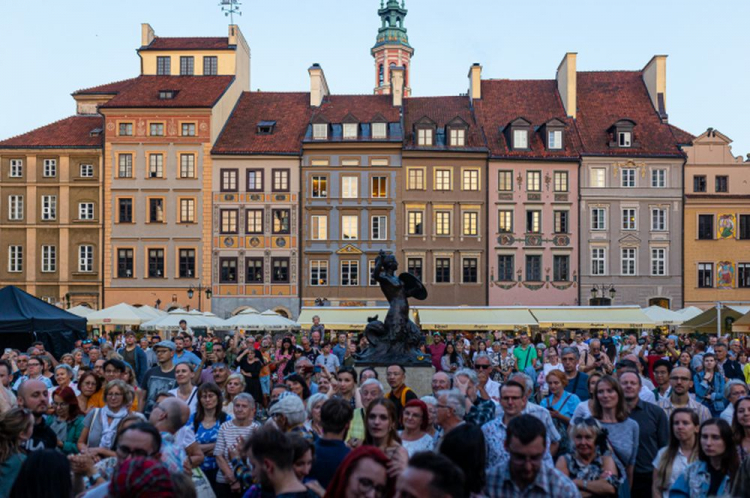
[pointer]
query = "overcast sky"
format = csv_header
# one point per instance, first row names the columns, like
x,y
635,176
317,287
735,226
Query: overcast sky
x,y
51,48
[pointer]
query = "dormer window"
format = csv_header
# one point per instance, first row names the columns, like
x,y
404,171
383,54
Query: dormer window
x,y
457,132
553,135
554,140
167,94
520,139
518,134
266,127
424,130
379,131
622,134
351,131
95,132
320,131
424,137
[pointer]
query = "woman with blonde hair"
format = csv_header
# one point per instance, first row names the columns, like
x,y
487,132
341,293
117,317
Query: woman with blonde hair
x,y
235,385
682,450
313,405
100,425
16,427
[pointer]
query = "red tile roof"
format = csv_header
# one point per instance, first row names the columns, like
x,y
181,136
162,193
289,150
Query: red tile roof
x,y
71,132
191,43
441,110
682,136
192,91
363,107
606,97
290,111
107,89
535,100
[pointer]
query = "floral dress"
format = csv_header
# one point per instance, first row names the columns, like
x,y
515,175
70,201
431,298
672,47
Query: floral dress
x,y
589,472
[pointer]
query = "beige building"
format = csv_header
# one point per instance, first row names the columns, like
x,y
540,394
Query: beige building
x,y
51,212
717,222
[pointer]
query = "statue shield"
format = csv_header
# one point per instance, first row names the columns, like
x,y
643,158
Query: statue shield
x,y
413,286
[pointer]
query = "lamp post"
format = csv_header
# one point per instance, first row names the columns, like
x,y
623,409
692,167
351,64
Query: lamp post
x,y
200,289
602,289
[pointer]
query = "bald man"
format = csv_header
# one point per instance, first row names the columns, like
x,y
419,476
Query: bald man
x,y
179,449
33,395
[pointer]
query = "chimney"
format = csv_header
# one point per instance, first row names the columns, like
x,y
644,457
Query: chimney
x,y
566,83
318,85
655,77
147,34
475,81
233,29
397,85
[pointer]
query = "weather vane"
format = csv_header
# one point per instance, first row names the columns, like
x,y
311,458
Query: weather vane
x,y
230,8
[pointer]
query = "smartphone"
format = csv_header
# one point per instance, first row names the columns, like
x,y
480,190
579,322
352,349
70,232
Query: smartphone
x,y
209,347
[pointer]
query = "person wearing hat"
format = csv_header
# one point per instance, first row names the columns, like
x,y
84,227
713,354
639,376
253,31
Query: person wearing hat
x,y
133,355
158,379
289,415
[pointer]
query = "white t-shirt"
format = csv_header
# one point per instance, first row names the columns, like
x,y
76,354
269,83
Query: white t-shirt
x,y
192,400
679,465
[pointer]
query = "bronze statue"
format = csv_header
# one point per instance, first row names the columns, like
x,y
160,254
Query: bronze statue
x,y
396,339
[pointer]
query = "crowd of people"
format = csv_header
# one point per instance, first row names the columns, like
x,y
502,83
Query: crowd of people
x,y
562,415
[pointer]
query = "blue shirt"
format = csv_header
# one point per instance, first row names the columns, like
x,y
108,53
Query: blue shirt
x,y
207,436
329,453
187,357
579,386
340,352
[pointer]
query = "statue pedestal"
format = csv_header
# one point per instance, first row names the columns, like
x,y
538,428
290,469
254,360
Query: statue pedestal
x,y
418,376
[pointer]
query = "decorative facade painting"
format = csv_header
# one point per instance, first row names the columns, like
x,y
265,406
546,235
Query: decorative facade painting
x,y
725,226
725,275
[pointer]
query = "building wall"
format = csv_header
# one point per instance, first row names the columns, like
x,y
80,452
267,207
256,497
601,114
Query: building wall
x,y
65,283
641,288
519,244
334,249
455,247
231,297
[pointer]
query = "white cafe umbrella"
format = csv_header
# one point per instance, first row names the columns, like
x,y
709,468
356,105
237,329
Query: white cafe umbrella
x,y
80,310
147,310
663,316
274,321
171,321
248,319
119,314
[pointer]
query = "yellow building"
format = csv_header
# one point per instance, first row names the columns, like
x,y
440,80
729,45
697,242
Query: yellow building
x,y
717,222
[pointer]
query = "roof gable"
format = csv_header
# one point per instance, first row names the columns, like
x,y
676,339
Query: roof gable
x,y
71,132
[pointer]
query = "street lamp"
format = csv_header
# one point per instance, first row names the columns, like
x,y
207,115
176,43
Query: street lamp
x,y
599,301
192,290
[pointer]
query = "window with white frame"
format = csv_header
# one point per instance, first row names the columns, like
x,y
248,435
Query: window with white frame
x,y
457,137
318,273
442,179
16,168
50,168
534,181
15,207
49,207
15,259
187,165
349,187
627,261
156,166
280,181
415,222
349,273
598,261
125,166
86,259
320,131
470,179
379,131
319,226
379,227
561,181
351,131
350,227
624,138
49,259
187,210
658,219
520,139
415,179
628,177
471,223
659,178
424,137
188,129
658,261
554,139
86,170
85,210
442,223
628,219
379,187
705,275
597,178
598,218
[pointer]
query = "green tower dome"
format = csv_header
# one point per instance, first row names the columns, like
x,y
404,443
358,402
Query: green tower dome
x,y
392,30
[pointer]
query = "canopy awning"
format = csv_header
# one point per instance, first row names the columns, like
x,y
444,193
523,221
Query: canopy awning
x,y
473,318
706,321
689,312
743,324
340,318
663,316
119,314
592,317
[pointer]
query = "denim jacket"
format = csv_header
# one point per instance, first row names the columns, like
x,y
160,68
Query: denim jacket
x,y
711,396
695,481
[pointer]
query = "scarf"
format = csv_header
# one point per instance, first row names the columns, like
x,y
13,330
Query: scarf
x,y
109,429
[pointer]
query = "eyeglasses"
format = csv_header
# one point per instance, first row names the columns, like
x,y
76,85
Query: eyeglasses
x,y
127,451
584,421
366,485
60,405
482,367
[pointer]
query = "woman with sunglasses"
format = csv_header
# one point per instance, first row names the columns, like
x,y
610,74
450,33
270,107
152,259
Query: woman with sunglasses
x,y
741,426
717,464
67,422
682,450
590,465
709,385
16,427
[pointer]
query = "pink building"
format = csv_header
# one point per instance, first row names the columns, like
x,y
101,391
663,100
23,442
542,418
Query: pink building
x,y
533,193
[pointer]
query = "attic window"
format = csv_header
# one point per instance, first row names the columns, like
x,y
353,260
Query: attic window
x,y
554,139
517,133
351,131
95,132
624,138
266,127
520,139
320,131
622,133
424,136
379,131
167,94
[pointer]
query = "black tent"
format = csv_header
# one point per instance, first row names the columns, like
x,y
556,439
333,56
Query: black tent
x,y
25,319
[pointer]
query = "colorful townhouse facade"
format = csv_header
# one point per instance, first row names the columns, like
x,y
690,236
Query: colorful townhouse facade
x,y
717,222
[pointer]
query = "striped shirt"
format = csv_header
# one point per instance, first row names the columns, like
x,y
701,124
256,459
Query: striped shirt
x,y
228,435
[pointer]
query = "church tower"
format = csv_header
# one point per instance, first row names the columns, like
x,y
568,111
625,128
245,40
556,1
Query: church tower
x,y
392,47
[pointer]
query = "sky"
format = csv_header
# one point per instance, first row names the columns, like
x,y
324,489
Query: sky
x,y
50,48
